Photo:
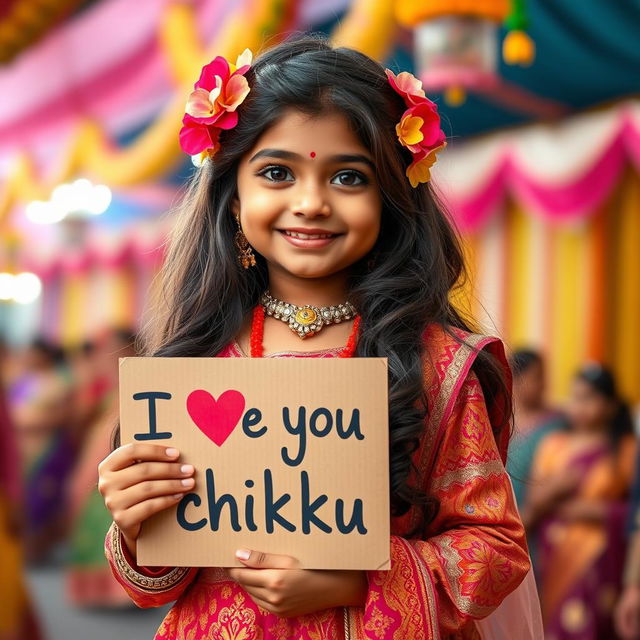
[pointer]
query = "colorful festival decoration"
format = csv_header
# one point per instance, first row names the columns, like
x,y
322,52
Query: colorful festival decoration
x,y
89,148
549,234
455,42
23,22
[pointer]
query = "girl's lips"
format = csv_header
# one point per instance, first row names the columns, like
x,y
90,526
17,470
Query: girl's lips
x,y
308,242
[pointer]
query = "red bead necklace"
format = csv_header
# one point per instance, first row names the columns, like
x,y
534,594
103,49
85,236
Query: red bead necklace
x,y
257,334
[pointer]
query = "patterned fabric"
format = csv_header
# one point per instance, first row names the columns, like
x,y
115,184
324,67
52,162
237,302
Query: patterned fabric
x,y
580,561
471,557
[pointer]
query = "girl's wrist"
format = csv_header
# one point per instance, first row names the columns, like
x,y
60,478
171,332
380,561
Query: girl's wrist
x,y
354,589
131,546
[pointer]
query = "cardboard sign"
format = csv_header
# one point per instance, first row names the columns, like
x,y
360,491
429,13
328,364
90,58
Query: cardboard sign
x,y
290,457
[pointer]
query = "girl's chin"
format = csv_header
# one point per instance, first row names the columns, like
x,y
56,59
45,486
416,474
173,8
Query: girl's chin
x,y
308,271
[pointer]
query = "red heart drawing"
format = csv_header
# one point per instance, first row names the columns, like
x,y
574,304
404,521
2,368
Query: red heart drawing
x,y
215,418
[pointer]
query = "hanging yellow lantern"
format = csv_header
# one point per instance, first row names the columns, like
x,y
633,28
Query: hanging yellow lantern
x,y
455,42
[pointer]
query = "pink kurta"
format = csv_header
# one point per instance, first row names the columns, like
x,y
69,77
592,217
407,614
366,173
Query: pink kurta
x,y
472,556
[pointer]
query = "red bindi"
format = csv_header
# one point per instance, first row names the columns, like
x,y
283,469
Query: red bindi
x,y
313,154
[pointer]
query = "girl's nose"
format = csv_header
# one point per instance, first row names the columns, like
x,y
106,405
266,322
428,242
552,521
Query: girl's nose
x,y
311,203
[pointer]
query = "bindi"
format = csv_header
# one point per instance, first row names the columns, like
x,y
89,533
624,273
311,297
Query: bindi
x,y
312,154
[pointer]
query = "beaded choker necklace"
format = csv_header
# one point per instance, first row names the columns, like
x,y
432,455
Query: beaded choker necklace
x,y
308,320
257,334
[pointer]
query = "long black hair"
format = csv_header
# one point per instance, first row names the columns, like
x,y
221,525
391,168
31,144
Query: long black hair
x,y
206,295
602,380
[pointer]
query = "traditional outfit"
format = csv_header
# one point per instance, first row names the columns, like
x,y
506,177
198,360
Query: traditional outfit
x,y
39,403
580,562
470,558
523,448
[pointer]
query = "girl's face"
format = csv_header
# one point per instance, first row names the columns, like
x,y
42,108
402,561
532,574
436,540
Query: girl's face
x,y
587,409
308,199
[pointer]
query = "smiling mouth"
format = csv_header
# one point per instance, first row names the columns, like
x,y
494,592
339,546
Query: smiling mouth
x,y
307,236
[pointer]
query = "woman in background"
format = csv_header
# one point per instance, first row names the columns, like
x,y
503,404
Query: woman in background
x,y
577,503
533,418
40,402
89,581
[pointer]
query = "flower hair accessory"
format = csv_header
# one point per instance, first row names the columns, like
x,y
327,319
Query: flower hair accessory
x,y
211,106
419,127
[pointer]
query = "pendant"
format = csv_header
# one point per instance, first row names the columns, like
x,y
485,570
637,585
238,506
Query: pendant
x,y
306,321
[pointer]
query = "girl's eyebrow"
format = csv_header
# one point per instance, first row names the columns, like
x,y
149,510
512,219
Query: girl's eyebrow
x,y
290,155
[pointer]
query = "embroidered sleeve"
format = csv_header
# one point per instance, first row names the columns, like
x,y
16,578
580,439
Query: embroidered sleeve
x,y
476,554
147,587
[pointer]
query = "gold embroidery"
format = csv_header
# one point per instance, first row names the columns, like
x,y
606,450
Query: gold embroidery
x,y
466,474
236,622
378,623
457,581
137,579
429,596
440,405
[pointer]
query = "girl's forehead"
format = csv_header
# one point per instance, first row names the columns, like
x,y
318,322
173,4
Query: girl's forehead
x,y
314,136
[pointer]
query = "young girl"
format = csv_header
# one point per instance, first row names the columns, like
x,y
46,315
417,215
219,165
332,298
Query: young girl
x,y
578,504
314,193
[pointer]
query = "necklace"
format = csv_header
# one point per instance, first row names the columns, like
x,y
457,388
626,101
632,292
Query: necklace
x,y
257,334
308,320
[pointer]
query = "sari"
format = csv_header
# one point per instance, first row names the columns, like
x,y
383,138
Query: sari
x,y
40,407
467,561
522,451
581,562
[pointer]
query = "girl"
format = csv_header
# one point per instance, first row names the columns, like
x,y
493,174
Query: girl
x,y
578,503
317,163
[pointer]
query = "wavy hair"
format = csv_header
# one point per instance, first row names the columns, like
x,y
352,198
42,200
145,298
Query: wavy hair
x,y
205,295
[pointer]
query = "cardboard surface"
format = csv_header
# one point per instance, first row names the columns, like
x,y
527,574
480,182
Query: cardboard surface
x,y
291,456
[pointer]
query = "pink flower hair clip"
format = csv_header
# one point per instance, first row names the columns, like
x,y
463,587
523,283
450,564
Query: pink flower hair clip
x,y
419,127
211,106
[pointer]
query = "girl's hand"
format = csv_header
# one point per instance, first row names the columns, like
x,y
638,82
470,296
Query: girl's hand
x,y
277,584
139,480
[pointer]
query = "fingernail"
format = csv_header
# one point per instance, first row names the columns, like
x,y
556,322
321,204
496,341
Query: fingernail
x,y
243,554
187,482
171,452
177,496
186,468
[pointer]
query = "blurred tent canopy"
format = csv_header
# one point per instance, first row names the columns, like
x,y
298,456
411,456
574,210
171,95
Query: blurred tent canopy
x,y
546,205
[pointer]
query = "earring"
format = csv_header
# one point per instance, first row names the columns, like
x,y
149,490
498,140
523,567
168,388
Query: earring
x,y
245,255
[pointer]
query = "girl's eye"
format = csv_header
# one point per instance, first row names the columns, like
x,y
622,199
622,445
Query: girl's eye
x,y
276,173
350,178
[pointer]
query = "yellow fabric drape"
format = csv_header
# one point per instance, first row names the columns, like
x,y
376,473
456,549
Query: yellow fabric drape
x,y
624,295
570,289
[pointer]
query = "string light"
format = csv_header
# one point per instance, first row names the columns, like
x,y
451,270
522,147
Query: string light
x,y
79,198
23,288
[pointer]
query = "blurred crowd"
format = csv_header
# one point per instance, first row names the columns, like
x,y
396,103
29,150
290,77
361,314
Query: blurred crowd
x,y
576,476
57,412
575,471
